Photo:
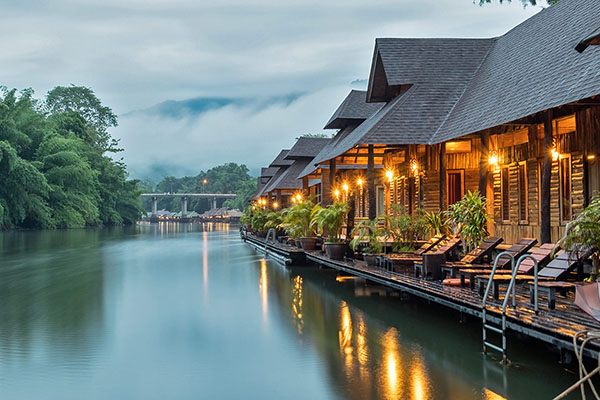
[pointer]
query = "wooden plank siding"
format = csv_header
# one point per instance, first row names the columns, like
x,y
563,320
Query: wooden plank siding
x,y
576,136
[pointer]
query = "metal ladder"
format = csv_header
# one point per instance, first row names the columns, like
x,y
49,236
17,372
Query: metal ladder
x,y
491,325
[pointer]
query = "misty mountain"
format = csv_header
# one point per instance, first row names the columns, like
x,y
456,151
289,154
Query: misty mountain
x,y
201,105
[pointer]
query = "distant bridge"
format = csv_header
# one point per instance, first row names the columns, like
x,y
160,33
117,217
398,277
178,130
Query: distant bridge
x,y
184,199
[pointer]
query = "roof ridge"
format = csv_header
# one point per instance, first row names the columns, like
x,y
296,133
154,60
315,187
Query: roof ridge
x,y
467,85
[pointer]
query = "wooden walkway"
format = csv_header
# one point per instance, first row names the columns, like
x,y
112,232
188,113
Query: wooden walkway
x,y
555,327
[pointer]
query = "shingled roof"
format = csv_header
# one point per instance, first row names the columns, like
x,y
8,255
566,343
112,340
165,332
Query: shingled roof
x,y
454,87
281,161
353,110
306,147
289,178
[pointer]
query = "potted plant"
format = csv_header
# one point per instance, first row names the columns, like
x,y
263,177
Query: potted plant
x,y
582,235
298,221
369,231
332,219
273,221
404,229
436,223
469,217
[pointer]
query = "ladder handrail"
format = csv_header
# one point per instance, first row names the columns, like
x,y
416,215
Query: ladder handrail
x,y
512,285
491,279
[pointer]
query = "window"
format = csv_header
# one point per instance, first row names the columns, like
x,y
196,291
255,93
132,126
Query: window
x,y
565,188
505,193
523,193
380,200
455,186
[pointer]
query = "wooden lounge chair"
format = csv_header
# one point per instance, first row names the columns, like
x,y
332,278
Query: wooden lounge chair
x,y
541,254
475,256
390,261
563,263
438,255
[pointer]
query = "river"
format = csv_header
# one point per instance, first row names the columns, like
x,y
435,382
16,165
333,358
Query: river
x,y
187,311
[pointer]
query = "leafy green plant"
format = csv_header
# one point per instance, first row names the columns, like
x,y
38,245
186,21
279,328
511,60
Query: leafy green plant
x,y
298,220
404,229
369,231
273,220
583,234
469,218
436,223
332,218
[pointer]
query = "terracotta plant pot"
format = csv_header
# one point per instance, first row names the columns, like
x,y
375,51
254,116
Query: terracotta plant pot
x,y
370,259
308,243
335,251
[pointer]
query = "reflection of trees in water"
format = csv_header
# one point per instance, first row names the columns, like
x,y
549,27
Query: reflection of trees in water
x,y
174,229
396,349
51,291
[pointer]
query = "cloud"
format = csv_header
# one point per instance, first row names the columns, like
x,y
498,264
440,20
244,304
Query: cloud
x,y
250,132
136,54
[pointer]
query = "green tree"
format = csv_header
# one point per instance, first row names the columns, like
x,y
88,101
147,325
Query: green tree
x,y
83,101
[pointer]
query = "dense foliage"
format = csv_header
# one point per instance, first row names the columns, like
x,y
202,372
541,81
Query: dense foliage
x,y
404,229
582,235
226,178
299,219
469,218
53,164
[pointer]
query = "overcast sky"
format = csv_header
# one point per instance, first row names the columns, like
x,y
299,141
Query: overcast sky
x,y
283,65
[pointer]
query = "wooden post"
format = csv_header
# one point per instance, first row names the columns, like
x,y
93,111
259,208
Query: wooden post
x,y
443,189
278,197
545,232
484,149
351,213
332,172
305,189
371,183
325,188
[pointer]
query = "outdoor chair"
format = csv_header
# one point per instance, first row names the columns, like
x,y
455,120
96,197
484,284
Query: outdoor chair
x,y
431,262
475,256
390,261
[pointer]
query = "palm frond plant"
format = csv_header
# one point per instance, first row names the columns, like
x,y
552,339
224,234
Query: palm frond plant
x,y
436,223
582,235
368,231
273,220
469,218
404,229
298,222
332,219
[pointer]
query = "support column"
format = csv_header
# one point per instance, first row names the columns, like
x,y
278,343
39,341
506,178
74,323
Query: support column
x,y
325,188
545,232
372,214
154,207
214,205
183,207
443,177
484,157
278,197
332,171
305,189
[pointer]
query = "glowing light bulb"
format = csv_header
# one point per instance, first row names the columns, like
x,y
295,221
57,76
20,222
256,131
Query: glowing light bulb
x,y
389,174
359,181
336,193
345,187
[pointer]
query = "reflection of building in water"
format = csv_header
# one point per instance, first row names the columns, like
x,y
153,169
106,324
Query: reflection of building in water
x,y
345,336
297,303
263,287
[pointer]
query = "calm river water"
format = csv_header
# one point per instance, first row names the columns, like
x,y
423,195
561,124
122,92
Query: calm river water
x,y
181,311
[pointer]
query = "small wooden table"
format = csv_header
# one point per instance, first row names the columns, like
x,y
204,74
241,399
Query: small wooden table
x,y
472,273
498,280
550,288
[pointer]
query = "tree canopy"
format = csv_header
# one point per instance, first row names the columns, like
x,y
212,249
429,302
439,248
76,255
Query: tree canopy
x,y
54,170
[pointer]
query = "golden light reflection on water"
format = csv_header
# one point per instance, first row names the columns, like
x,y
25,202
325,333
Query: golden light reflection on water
x,y
419,379
391,379
489,395
263,287
297,304
345,336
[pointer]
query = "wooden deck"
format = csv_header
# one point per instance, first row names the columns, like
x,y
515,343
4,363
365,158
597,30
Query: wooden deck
x,y
555,327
